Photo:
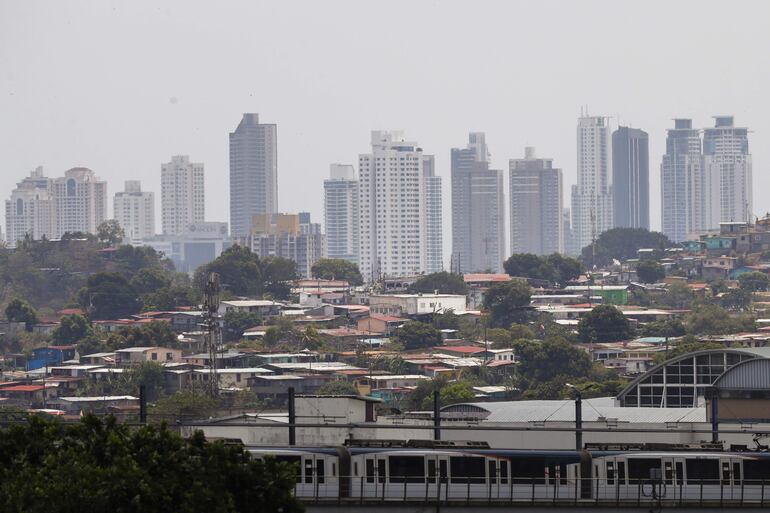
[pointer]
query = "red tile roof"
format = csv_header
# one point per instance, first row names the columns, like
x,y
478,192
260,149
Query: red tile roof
x,y
485,277
460,349
24,388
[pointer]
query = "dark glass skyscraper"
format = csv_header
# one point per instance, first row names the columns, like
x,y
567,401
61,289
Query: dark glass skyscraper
x,y
631,178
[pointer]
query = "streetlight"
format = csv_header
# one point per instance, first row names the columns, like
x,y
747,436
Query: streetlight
x,y
578,417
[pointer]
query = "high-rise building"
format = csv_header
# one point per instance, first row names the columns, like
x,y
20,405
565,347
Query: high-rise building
x,y
726,158
341,213
79,202
592,195
536,205
182,195
392,205
478,228
135,211
631,178
253,172
29,212
434,245
685,188
290,236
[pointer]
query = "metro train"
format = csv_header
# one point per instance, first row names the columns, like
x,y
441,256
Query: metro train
x,y
455,471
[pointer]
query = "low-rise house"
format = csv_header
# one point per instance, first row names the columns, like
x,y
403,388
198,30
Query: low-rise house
x,y
230,378
276,387
479,283
29,395
50,356
380,324
226,359
99,404
263,307
98,359
137,355
186,321
416,304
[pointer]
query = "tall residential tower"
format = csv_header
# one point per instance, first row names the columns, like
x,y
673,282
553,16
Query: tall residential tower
x,y
253,172
631,178
726,157
537,224
341,213
29,212
182,195
135,211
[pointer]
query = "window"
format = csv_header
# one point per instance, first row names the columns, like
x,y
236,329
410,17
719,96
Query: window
x,y
407,469
704,471
639,468
467,469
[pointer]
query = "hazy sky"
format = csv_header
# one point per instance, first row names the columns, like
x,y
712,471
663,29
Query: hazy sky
x,y
120,86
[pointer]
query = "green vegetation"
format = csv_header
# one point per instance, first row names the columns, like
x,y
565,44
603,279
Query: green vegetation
x,y
450,393
622,244
243,273
754,281
715,320
19,310
650,271
100,465
443,282
110,232
235,323
337,269
605,323
416,335
338,388
507,303
555,267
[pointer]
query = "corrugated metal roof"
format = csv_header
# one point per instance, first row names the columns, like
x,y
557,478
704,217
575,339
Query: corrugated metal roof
x,y
594,410
747,375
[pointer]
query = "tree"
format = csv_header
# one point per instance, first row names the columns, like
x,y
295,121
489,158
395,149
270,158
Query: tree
x,y
622,244
19,310
101,465
235,323
109,296
443,282
650,271
714,320
337,269
678,295
278,273
338,387
519,331
239,271
451,393
507,302
150,279
71,329
416,334
736,299
185,405
604,323
667,328
542,361
753,282
110,232
555,267
155,333
310,338
446,320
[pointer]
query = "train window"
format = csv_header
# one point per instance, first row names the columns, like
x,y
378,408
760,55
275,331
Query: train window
x,y
525,471
355,468
756,472
308,471
431,471
622,472
639,468
492,467
610,472
679,473
467,469
562,473
503,472
409,469
320,470
704,471
295,462
380,471
736,473
725,472
369,471
334,470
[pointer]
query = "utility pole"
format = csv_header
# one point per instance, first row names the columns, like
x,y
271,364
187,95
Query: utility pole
x,y
210,323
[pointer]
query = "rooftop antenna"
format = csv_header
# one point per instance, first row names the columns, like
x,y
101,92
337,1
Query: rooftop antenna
x,y
210,318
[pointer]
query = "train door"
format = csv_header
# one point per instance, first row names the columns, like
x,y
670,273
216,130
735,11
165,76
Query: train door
x,y
668,475
497,479
315,482
556,481
436,472
731,474
375,475
613,479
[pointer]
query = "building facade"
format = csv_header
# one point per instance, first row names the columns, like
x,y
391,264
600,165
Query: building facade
x,y
253,172
198,245
29,212
290,236
182,195
434,243
682,182
536,205
592,195
726,157
478,227
631,178
341,213
79,202
135,211
392,206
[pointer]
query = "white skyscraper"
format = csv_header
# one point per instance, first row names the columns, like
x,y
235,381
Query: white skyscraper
x,y
727,159
135,211
592,196
79,202
394,231
341,213
182,194
684,186
434,257
29,212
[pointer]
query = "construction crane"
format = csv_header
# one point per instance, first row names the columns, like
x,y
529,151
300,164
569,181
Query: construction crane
x,y
211,325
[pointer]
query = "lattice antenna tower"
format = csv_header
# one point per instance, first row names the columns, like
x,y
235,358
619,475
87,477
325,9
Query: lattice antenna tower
x,y
211,324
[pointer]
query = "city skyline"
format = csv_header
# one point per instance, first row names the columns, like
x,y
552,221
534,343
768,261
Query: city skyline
x,y
148,120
